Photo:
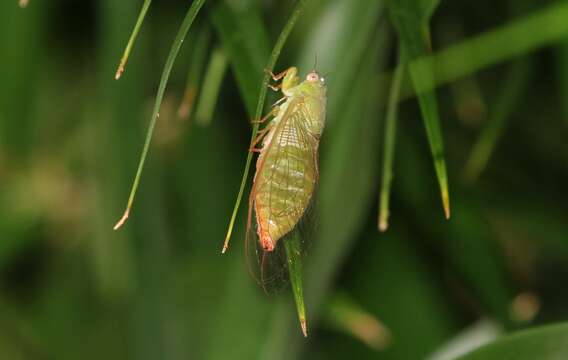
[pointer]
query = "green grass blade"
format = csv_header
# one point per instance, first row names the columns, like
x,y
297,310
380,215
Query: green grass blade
x,y
429,109
211,87
195,70
133,36
247,52
410,18
260,106
389,147
513,89
293,247
182,32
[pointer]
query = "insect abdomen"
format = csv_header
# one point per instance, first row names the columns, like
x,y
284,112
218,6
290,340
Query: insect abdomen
x,y
284,183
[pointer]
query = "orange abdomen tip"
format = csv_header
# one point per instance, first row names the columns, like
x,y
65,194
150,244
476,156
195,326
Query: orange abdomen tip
x,y
266,242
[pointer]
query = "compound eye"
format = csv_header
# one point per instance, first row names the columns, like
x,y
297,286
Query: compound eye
x,y
313,76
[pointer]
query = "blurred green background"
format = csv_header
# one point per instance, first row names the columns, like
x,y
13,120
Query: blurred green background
x,y
70,137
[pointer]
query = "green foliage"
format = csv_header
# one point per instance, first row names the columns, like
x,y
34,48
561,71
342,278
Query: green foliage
x,y
71,287
388,150
410,18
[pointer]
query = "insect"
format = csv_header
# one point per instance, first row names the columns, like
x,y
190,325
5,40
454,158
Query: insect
x,y
287,168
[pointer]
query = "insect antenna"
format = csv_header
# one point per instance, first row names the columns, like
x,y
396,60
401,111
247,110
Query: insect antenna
x,y
315,62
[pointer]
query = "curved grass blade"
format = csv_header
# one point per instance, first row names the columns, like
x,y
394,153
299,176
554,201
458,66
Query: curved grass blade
x,y
184,28
211,86
293,247
512,91
389,143
260,106
132,39
410,18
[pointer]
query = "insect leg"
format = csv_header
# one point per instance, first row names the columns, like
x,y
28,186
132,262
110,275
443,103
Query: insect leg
x,y
275,87
274,112
279,101
262,132
259,136
278,76
289,78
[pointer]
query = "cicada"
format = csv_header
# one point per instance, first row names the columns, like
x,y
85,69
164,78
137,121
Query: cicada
x,y
287,167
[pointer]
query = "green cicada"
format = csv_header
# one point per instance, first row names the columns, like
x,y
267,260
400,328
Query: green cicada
x,y
287,167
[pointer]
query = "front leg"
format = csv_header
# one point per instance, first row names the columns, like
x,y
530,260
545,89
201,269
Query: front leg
x,y
289,78
259,136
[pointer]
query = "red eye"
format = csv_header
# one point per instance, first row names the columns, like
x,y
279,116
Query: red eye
x,y
313,76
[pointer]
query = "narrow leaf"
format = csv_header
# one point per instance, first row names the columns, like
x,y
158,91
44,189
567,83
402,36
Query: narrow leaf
x,y
389,143
293,247
211,87
195,71
248,51
133,36
410,18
